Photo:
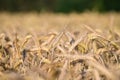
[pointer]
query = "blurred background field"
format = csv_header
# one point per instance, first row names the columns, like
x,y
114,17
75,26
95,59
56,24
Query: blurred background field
x,y
51,21
52,14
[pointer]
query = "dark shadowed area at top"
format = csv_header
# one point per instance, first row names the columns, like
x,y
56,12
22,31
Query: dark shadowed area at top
x,y
65,6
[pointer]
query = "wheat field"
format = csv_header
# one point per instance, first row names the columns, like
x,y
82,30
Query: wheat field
x,y
47,46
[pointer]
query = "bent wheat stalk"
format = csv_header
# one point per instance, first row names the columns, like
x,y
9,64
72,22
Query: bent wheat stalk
x,y
77,42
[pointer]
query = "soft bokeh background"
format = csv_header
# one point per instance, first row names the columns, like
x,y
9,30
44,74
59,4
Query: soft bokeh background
x,y
49,15
65,6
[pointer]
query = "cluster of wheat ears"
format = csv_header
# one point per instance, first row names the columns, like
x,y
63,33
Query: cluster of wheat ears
x,y
65,55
